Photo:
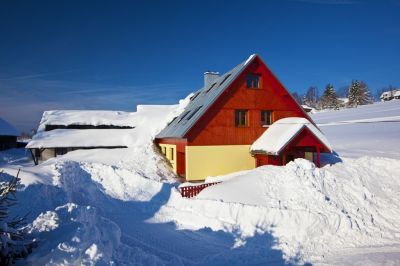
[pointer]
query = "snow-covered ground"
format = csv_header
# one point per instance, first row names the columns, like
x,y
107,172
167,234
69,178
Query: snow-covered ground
x,y
366,130
122,206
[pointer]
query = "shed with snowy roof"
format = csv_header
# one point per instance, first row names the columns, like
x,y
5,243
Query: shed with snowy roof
x,y
287,139
215,132
61,131
8,135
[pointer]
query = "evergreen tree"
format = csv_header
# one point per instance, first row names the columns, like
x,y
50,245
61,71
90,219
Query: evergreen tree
x,y
14,240
329,98
358,94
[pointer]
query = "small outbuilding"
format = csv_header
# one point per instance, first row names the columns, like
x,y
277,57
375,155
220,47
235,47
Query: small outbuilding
x,y
287,139
8,135
62,131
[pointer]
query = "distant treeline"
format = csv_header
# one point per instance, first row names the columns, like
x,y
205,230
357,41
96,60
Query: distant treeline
x,y
357,93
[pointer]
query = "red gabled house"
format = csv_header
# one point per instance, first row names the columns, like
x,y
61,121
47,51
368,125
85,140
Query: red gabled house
x,y
215,133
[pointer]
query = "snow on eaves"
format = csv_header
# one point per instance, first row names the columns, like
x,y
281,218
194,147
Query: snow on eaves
x,y
6,129
87,117
280,133
68,138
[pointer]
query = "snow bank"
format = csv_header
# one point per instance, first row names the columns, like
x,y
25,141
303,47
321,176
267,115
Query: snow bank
x,y
311,211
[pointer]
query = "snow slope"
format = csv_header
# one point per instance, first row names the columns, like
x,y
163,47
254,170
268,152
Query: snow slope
x,y
123,208
365,130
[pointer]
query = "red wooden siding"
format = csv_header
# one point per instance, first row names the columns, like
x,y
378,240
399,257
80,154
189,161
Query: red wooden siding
x,y
217,125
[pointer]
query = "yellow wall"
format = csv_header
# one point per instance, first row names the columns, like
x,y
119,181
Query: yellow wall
x,y
203,161
169,151
309,156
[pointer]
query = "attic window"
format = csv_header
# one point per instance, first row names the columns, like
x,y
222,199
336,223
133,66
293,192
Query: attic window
x,y
183,116
253,81
194,112
172,121
212,86
194,96
226,77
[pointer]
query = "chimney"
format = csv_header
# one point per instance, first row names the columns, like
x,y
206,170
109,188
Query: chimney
x,y
210,77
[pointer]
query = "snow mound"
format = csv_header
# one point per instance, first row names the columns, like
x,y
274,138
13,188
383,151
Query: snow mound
x,y
310,211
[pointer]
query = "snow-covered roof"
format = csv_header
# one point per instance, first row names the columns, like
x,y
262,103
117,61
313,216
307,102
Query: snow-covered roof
x,y
67,138
391,93
87,117
280,133
6,129
148,121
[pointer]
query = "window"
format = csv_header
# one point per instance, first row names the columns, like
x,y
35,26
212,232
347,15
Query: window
x,y
194,112
183,116
194,96
172,154
212,86
266,118
226,77
253,81
241,118
164,150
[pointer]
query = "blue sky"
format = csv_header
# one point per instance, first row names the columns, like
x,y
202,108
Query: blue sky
x,y
117,54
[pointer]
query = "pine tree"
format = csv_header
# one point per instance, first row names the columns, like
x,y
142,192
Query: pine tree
x,y
14,240
329,98
358,94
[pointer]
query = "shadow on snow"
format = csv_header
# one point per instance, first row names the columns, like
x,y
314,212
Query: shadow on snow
x,y
127,230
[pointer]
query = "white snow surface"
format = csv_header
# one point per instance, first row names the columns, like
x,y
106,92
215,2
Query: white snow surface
x,y
281,132
82,138
366,130
123,208
6,129
86,117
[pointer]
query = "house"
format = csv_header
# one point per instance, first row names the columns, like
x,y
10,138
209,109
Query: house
x,y
215,133
61,131
8,135
390,95
307,108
